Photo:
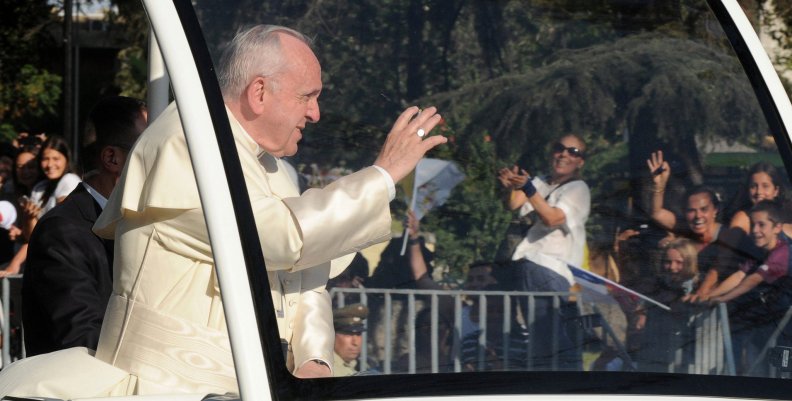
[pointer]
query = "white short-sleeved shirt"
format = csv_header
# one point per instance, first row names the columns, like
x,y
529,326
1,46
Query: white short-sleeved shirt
x,y
65,186
554,247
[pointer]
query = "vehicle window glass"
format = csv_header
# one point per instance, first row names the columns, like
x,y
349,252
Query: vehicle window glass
x,y
611,197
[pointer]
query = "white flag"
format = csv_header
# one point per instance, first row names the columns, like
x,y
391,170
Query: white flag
x,y
432,185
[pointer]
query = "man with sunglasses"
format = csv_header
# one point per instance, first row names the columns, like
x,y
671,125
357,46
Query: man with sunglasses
x,y
560,203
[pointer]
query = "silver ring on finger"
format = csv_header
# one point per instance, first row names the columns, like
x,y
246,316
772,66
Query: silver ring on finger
x,y
421,132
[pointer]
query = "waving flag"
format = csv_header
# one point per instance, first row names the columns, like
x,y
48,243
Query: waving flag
x,y
599,289
431,185
434,180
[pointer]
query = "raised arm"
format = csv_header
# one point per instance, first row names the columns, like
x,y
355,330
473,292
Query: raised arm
x,y
660,172
417,261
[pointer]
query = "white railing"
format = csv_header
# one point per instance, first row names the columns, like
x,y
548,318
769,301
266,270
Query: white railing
x,y
393,332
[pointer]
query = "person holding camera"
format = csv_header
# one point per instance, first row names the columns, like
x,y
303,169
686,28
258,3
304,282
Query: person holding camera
x,y
561,202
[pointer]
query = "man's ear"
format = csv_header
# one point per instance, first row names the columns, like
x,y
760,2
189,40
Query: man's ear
x,y
255,94
111,159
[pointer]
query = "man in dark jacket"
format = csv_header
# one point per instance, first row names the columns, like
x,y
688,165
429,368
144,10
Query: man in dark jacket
x,y
68,275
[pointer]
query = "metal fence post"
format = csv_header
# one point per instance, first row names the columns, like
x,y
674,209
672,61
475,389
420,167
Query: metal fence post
x,y
6,322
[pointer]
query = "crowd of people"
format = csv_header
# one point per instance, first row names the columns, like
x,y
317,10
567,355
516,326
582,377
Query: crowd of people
x,y
689,259
736,254
67,269
707,254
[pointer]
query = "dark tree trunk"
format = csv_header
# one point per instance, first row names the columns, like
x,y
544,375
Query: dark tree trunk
x,y
415,50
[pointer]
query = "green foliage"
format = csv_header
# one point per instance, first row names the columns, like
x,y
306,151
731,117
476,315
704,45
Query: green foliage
x,y
24,103
518,73
465,225
23,34
132,76
29,93
633,83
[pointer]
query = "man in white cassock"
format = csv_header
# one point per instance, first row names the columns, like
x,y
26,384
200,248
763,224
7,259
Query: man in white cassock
x,y
164,330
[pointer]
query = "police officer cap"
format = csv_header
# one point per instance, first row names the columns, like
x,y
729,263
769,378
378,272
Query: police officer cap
x,y
349,319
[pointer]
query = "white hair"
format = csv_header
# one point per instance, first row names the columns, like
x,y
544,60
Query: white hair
x,y
253,52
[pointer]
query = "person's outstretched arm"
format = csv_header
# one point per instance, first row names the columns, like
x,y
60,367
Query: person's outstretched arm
x,y
660,172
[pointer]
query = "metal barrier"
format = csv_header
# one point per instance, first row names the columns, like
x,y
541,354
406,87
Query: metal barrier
x,y
497,343
771,343
712,351
471,347
11,287
500,342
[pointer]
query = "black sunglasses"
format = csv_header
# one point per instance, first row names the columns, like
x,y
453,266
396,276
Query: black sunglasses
x,y
573,151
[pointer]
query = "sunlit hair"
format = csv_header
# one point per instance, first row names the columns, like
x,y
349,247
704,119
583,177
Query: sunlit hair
x,y
689,254
253,52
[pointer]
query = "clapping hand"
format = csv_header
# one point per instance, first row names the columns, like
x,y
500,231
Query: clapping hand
x,y
513,178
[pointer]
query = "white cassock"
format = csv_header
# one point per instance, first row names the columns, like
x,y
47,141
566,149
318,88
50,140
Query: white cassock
x,y
164,323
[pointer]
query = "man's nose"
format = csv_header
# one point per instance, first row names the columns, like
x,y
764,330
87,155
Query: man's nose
x,y
312,114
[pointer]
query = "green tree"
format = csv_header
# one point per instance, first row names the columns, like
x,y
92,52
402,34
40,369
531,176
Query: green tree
x,y
29,92
519,73
132,75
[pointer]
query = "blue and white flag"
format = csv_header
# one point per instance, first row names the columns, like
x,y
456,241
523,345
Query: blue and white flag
x,y
431,186
599,289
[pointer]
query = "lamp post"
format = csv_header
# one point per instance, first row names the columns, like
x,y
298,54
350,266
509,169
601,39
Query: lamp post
x,y
68,70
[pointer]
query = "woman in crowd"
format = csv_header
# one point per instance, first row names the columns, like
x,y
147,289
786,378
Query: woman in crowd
x,y
763,182
54,160
663,332
26,172
720,249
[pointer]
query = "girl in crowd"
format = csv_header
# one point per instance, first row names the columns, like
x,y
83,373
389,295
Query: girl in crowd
x,y
679,275
54,160
763,182
662,332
